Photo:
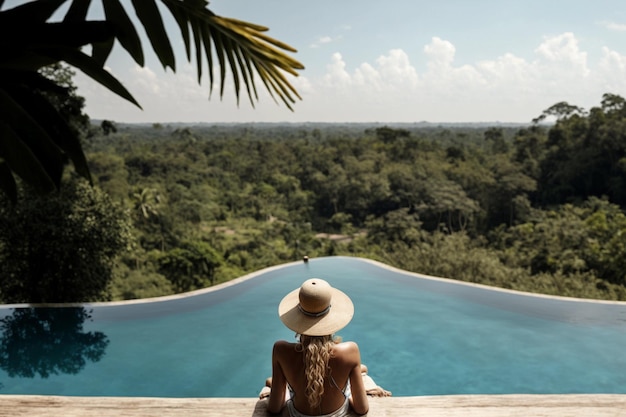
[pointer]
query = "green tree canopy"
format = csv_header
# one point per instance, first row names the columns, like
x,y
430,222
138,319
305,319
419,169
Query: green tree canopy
x,y
60,248
190,266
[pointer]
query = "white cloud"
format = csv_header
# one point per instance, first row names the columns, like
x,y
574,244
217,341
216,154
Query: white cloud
x,y
612,72
440,54
617,27
563,49
508,88
146,80
397,70
367,75
613,62
507,69
337,76
323,40
390,88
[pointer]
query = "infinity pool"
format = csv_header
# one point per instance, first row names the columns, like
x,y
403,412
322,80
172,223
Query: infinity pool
x,y
419,336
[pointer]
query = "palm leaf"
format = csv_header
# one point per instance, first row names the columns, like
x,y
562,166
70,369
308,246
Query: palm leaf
x,y
183,24
77,11
68,35
23,60
229,52
32,79
206,42
35,11
91,68
7,182
198,44
188,23
218,43
20,159
150,17
34,138
242,46
246,73
253,37
20,45
53,123
124,29
101,50
278,83
270,84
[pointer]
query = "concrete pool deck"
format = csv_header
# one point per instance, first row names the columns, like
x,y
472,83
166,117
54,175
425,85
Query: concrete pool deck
x,y
569,405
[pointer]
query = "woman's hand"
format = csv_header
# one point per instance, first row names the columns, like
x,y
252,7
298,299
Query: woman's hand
x,y
265,392
267,389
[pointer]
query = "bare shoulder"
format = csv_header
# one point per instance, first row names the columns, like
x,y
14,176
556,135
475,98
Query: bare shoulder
x,y
348,351
282,345
347,347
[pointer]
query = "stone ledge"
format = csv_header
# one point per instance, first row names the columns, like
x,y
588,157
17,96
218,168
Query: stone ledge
x,y
570,405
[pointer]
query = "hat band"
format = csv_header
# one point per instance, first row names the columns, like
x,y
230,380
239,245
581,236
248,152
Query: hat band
x,y
308,313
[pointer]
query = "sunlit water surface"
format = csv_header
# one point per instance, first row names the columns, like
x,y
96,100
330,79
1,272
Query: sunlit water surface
x,y
418,336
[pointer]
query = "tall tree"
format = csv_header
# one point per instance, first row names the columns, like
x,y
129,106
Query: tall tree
x,y
586,155
190,266
62,247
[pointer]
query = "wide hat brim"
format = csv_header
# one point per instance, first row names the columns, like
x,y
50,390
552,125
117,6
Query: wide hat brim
x,y
339,315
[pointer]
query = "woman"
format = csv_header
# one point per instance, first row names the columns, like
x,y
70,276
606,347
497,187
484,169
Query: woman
x,y
318,375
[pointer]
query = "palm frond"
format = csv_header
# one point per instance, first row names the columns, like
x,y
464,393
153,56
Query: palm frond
x,y
16,156
36,11
150,17
7,181
77,11
27,144
239,45
36,141
91,68
125,31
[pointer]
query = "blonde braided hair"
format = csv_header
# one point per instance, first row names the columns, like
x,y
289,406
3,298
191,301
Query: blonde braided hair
x,y
317,353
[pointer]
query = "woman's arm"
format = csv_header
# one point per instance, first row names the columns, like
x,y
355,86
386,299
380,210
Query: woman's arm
x,y
279,383
358,400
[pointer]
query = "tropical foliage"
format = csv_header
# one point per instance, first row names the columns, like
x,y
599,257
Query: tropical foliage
x,y
538,207
61,247
36,140
464,202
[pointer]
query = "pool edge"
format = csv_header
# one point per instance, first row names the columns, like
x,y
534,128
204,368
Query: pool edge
x,y
280,266
571,405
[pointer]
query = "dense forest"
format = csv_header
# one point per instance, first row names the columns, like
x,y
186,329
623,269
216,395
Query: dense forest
x,y
96,210
536,207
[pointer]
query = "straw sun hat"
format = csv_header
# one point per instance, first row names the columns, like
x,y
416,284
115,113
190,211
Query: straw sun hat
x,y
316,309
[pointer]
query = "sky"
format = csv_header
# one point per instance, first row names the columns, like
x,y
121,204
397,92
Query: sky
x,y
395,61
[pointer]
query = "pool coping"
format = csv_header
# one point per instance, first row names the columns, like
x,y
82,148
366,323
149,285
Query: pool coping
x,y
512,405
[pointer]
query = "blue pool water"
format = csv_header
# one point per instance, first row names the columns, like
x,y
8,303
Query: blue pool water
x,y
418,336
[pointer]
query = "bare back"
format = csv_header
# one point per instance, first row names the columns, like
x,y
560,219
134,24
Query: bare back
x,y
288,368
